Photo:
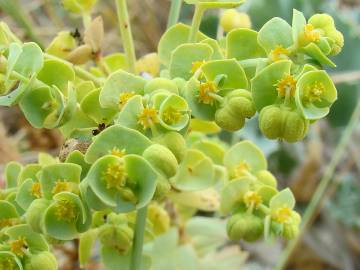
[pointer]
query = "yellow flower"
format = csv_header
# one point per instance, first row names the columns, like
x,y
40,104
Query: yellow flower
x,y
252,199
206,92
124,98
286,85
279,53
36,190
310,34
148,117
171,115
115,175
282,215
313,92
65,210
61,186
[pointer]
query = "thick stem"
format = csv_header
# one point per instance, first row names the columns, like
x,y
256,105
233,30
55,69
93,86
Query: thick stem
x,y
136,256
80,72
174,13
126,35
320,191
195,25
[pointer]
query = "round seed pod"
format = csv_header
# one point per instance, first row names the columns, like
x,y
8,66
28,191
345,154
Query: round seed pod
x,y
245,226
175,142
162,159
42,261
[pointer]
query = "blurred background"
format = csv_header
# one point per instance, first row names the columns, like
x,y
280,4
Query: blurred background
x,y
333,242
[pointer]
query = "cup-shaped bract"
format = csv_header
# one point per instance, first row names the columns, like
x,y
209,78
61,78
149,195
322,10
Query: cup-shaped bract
x,y
315,94
119,85
174,113
123,184
117,140
244,158
65,217
62,177
12,171
172,38
195,172
186,59
8,213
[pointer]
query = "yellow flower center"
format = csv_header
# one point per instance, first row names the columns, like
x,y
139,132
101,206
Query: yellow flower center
x,y
310,34
117,152
66,210
171,115
206,92
124,98
313,92
252,199
18,247
241,169
282,215
148,117
279,53
115,175
196,65
61,186
6,222
286,86
36,190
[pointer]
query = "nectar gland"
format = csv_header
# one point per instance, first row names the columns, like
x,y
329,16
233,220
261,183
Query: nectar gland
x,y
61,186
242,169
286,86
206,92
252,199
314,92
282,215
19,247
36,190
117,152
310,34
124,98
171,115
279,53
65,210
148,117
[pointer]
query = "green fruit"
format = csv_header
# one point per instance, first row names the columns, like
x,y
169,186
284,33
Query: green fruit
x,y
245,226
175,142
281,123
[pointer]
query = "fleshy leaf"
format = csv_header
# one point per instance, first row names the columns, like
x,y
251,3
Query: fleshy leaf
x,y
315,52
284,198
12,171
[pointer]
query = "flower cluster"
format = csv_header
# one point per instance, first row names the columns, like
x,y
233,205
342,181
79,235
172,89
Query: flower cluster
x,y
135,140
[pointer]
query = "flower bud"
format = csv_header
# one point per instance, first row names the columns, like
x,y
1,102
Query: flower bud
x,y
245,226
162,159
41,261
80,55
62,44
282,123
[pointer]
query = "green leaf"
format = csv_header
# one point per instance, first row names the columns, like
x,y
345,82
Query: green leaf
x,y
116,61
30,61
298,23
195,172
274,33
315,52
117,83
185,55
314,94
29,171
235,75
12,171
211,149
64,172
263,87
8,210
91,107
56,72
233,193
121,138
217,50
284,198
172,38
79,121
35,241
24,196
242,44
86,245
14,97
76,157
248,153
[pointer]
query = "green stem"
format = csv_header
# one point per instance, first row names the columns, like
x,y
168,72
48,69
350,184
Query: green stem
x,y
126,36
136,256
174,13
80,72
321,189
195,25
